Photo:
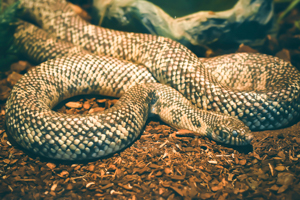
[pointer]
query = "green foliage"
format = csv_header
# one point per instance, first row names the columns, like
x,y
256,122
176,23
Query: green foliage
x,y
292,5
8,24
297,24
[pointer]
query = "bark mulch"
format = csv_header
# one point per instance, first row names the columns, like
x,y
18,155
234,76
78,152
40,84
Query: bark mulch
x,y
163,163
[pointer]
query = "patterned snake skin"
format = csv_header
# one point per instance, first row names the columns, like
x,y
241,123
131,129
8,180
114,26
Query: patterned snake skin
x,y
261,90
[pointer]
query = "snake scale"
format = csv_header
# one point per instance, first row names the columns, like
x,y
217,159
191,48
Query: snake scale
x,y
220,97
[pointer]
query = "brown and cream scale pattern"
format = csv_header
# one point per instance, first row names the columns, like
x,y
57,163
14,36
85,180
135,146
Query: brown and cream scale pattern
x,y
253,87
73,70
35,126
66,73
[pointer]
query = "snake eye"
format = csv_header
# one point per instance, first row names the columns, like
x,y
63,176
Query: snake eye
x,y
234,133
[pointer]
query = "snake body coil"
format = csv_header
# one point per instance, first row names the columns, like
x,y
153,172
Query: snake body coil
x,y
261,90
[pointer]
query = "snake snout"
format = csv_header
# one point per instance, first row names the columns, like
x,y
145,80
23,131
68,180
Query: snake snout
x,y
233,132
243,135
249,138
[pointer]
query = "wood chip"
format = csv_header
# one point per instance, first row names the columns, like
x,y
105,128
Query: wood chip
x,y
280,168
163,163
73,105
51,165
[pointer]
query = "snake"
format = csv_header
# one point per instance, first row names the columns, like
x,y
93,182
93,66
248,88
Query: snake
x,y
223,98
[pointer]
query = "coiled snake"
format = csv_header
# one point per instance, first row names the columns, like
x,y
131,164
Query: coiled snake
x,y
80,58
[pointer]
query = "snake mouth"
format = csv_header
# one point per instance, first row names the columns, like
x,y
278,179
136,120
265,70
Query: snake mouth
x,y
242,141
236,138
236,141
248,139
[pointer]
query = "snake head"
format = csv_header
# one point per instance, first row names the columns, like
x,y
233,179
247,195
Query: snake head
x,y
232,131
